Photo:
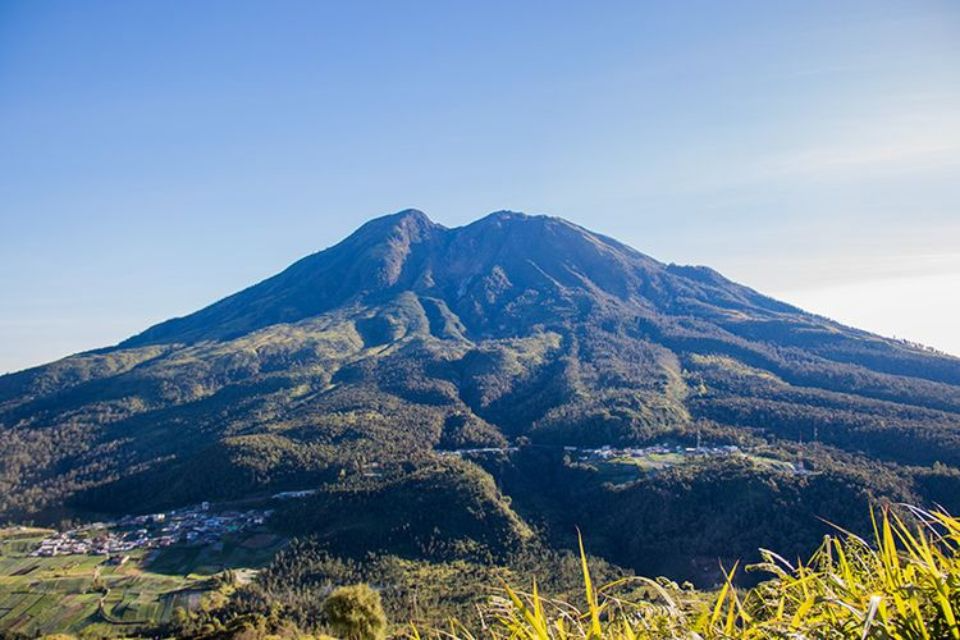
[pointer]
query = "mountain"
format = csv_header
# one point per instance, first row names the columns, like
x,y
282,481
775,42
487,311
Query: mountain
x,y
356,367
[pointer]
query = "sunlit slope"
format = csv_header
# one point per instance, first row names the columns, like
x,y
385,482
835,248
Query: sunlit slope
x,y
408,337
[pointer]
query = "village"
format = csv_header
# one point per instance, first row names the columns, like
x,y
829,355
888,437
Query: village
x,y
608,452
652,458
190,525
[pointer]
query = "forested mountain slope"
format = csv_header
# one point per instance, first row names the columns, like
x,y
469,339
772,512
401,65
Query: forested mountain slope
x,y
352,367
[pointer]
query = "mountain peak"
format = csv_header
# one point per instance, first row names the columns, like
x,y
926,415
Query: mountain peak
x,y
408,221
501,275
507,216
407,216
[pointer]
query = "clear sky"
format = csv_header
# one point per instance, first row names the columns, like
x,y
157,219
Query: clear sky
x,y
156,156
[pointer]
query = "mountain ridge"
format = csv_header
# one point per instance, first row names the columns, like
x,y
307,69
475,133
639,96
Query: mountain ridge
x,y
388,248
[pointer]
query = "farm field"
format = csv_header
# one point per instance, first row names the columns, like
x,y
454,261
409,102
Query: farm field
x,y
40,595
200,562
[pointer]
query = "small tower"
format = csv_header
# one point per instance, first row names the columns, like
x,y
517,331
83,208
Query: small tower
x,y
800,467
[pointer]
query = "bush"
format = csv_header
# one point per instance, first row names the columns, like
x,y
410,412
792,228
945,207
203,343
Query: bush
x,y
355,613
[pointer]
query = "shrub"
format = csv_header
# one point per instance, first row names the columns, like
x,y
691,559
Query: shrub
x,y
355,613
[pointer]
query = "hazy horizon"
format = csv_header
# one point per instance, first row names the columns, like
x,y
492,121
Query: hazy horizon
x,y
159,157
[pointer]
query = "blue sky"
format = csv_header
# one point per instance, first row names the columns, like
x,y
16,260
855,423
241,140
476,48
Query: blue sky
x,y
157,156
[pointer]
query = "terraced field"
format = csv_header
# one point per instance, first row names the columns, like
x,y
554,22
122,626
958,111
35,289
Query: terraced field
x,y
69,594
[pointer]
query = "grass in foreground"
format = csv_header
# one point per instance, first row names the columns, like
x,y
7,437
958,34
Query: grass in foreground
x,y
902,585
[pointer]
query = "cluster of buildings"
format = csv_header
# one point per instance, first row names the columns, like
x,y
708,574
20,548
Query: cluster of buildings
x,y
190,525
459,453
607,452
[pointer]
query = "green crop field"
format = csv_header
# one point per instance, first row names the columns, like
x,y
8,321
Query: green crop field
x,y
63,593
232,553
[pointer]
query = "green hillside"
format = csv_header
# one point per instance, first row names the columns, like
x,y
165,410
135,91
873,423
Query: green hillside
x,y
368,372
